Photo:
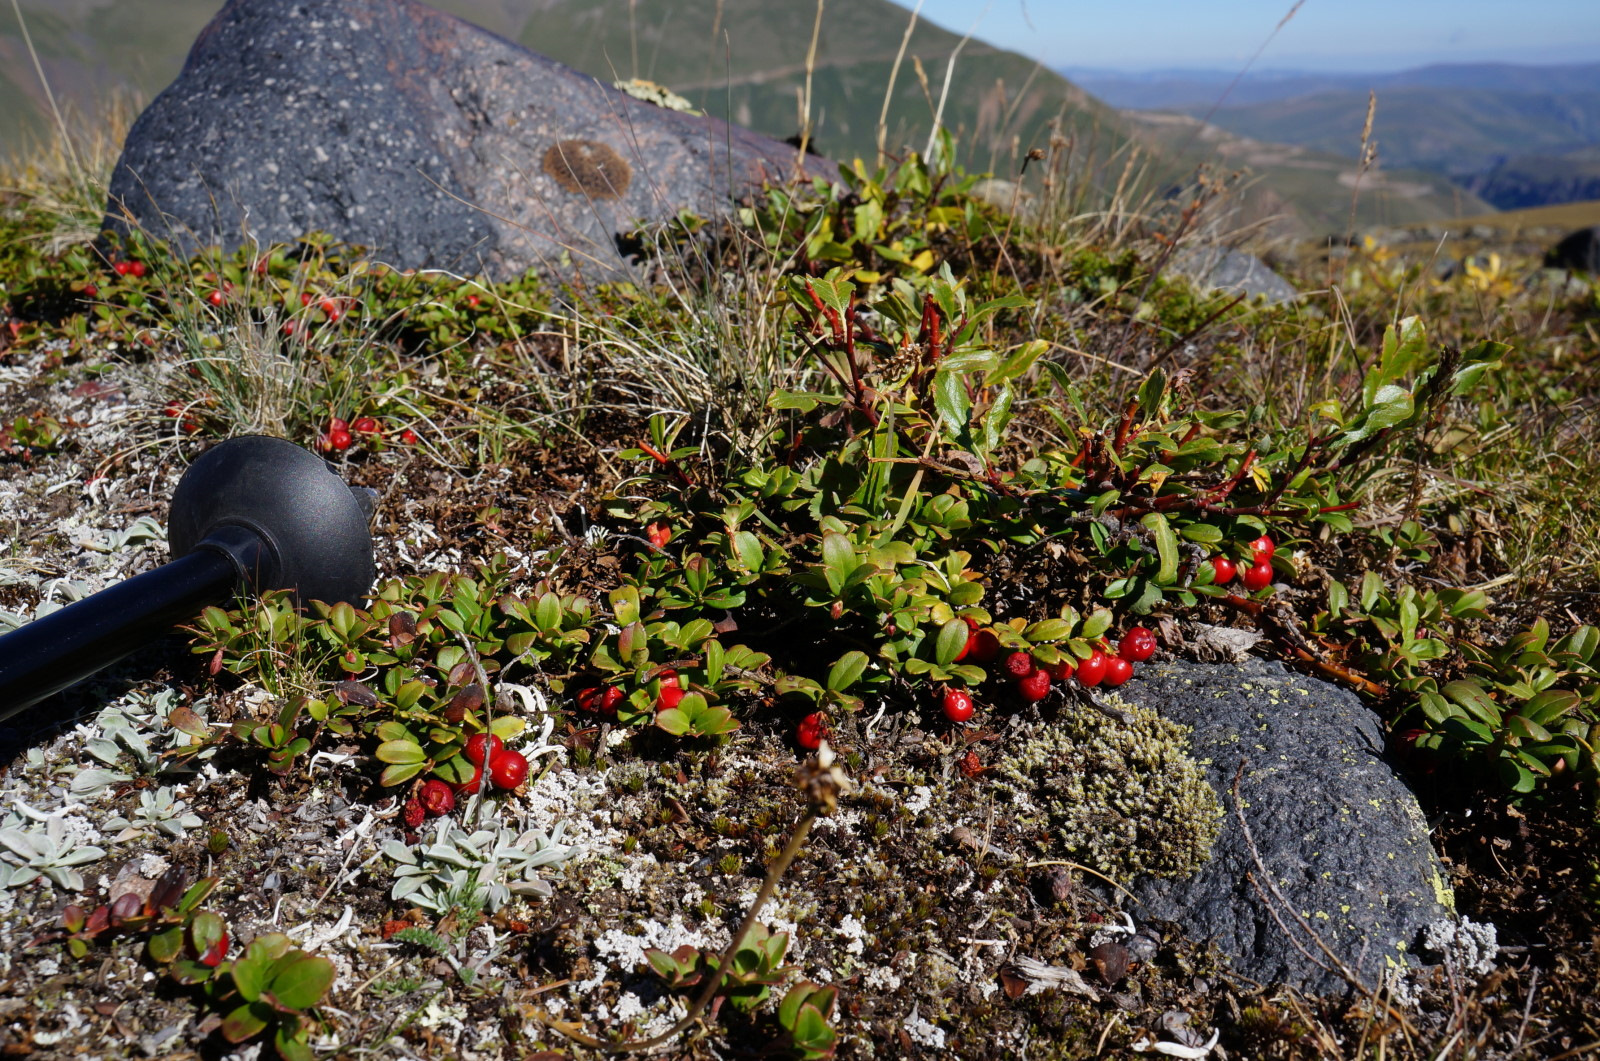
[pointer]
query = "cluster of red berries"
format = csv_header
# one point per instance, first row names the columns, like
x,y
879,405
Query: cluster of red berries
x,y
1257,576
436,798
1033,680
135,269
341,435
176,410
659,533
603,699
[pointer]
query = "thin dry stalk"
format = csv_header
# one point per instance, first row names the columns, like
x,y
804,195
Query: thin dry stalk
x,y
805,99
894,75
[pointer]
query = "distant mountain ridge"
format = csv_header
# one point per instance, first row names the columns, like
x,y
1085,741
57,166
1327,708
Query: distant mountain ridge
x,y
1186,90
1517,136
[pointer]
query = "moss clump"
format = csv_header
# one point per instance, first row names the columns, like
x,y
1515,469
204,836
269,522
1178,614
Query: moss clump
x,y
1123,797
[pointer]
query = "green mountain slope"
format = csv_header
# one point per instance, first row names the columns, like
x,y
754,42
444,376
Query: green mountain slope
x,y
1322,187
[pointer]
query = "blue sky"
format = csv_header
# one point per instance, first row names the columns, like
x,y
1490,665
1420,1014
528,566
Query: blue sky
x,y
1354,35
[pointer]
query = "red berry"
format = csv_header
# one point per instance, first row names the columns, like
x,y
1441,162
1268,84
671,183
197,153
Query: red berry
x,y
1118,670
1093,669
289,328
330,308
1137,645
215,953
122,268
1258,576
471,785
1019,665
957,705
1223,569
658,533
215,298
812,729
473,300
436,798
1262,548
305,298
481,746
136,268
609,699
366,425
90,291
1061,670
414,814
670,697
985,647
508,769
1034,687
668,678
408,437
339,439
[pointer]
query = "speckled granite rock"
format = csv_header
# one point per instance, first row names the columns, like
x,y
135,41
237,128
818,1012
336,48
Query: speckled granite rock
x,y
1343,838
436,143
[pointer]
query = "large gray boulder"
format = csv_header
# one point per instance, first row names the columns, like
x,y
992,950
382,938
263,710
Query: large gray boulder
x,y
436,143
1342,839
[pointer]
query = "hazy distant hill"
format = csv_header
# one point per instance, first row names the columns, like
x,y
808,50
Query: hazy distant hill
x,y
1535,180
1508,133
1197,90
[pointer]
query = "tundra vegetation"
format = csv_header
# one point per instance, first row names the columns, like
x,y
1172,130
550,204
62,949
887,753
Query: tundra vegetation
x,y
871,442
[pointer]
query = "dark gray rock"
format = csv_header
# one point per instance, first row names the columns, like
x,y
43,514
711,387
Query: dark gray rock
x,y
1580,251
1342,838
435,143
1236,272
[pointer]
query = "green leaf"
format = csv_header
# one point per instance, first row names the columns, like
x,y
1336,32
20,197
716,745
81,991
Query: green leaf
x,y
246,1022
400,773
1097,623
400,752
1015,366
166,944
951,640
1517,777
1166,546
1048,630
747,547
848,670
299,981
291,1043
1391,405
1151,391
952,402
1527,728
1204,533
673,720
1472,697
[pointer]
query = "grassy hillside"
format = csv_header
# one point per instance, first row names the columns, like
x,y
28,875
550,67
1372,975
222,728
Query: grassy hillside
x,y
1321,194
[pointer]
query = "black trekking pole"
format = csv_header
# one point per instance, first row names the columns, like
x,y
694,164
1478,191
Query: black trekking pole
x,y
251,514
